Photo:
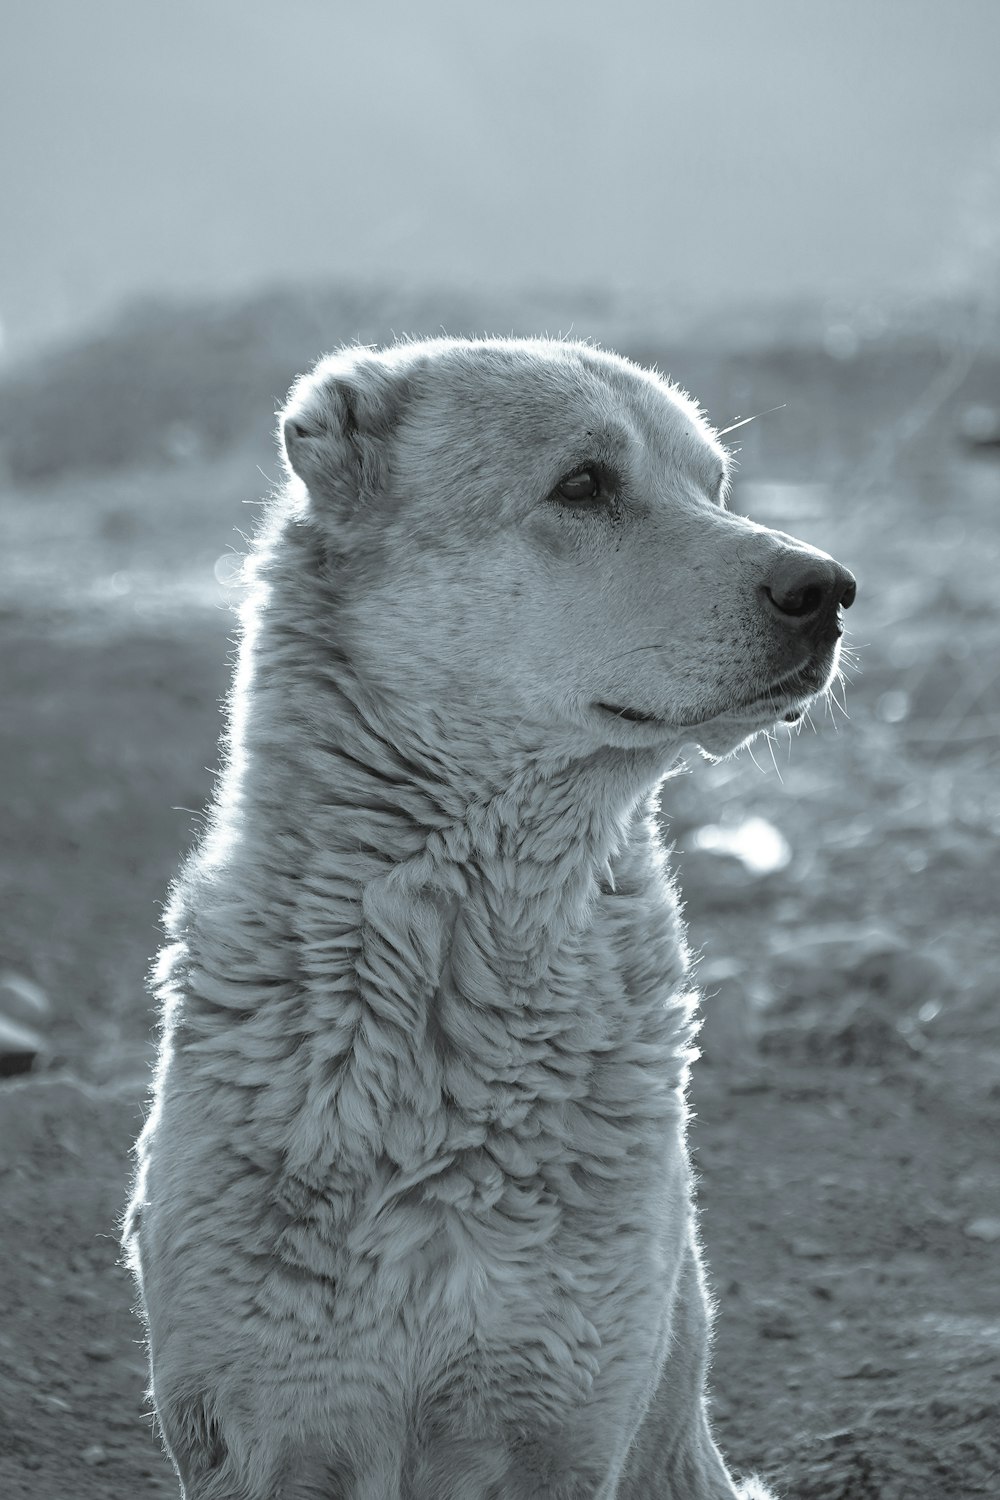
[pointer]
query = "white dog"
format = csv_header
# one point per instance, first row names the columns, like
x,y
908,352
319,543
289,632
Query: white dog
x,y
413,1215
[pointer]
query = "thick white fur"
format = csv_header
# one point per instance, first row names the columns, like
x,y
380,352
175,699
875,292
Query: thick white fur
x,y
413,1211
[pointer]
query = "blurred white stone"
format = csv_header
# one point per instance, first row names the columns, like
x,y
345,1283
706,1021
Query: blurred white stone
x,y
986,1228
757,844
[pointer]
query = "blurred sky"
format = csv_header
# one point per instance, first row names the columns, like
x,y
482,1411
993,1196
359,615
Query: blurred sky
x,y
703,152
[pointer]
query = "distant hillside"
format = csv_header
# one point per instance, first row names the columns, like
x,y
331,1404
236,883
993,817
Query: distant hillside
x,y
176,379
181,381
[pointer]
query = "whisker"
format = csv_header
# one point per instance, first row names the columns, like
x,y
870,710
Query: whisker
x,y
841,703
757,415
755,760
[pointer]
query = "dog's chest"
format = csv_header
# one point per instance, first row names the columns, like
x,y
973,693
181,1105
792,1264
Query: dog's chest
x,y
484,1281
521,1160
529,1052
495,1067
495,1131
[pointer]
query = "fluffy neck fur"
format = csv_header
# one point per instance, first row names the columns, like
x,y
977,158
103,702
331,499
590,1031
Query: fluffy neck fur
x,y
368,901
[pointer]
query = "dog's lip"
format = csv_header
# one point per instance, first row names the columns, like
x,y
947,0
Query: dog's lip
x,y
785,698
630,715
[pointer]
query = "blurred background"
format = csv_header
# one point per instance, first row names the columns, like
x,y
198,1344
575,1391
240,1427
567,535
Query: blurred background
x,y
687,159
783,206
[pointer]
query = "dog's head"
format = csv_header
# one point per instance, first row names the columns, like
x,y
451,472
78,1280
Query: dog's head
x,y
536,533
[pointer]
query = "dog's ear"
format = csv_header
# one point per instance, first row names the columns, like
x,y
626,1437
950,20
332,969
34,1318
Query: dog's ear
x,y
335,428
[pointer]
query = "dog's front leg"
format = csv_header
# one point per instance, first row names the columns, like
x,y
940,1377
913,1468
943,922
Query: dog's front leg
x,y
674,1456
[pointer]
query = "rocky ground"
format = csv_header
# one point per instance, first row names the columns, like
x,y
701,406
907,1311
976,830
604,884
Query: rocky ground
x,y
842,892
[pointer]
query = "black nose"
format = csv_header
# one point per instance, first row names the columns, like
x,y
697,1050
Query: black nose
x,y
808,588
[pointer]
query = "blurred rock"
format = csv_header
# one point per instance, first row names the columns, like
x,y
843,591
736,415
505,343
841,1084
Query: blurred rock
x,y
869,1370
22,999
24,1008
19,1047
854,996
981,1180
712,880
808,1249
858,1033
724,865
843,1439
902,976
759,1081
821,1289
987,1229
979,426
731,1008
844,1467
100,1350
774,1321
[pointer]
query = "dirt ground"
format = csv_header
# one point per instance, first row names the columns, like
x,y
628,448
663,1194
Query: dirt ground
x,y
846,1106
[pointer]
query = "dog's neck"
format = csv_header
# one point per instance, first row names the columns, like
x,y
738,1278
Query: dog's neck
x,y
432,917
380,790
390,780
327,794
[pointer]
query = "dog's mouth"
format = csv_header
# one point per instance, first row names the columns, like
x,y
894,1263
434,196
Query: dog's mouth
x,y
789,696
787,699
631,714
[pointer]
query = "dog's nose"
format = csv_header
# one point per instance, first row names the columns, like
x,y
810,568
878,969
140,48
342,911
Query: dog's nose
x,y
808,588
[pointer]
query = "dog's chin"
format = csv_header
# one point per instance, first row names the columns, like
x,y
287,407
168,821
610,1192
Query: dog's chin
x,y
784,702
729,730
722,737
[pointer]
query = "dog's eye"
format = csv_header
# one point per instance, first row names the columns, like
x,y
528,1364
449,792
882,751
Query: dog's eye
x,y
585,484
